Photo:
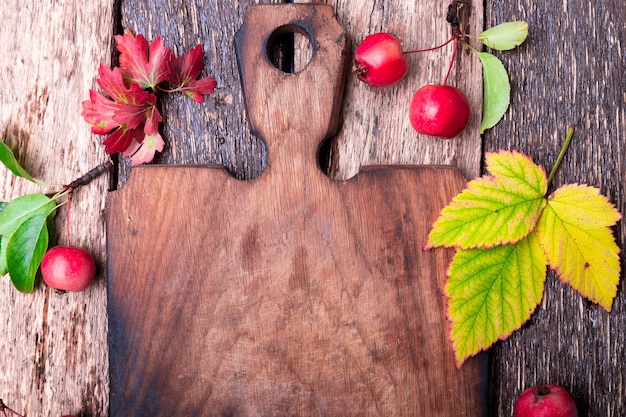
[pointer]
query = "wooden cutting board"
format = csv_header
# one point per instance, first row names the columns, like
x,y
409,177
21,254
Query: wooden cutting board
x,y
291,294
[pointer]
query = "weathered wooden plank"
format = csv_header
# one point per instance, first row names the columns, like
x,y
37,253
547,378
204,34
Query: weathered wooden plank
x,y
215,131
569,71
375,129
54,358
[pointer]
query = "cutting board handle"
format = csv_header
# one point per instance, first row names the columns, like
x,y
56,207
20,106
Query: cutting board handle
x,y
292,112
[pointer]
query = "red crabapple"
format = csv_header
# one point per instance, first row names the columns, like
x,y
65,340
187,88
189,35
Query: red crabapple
x,y
68,268
545,401
439,110
379,60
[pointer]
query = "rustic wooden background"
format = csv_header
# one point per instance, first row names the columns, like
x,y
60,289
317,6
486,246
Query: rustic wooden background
x,y
569,72
53,349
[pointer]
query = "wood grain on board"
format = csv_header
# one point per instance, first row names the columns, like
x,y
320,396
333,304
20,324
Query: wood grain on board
x,y
302,296
292,292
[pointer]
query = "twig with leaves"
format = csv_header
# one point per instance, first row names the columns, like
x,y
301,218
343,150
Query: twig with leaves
x,y
27,222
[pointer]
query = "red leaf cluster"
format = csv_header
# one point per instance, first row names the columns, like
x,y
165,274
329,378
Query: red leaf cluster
x,y
127,111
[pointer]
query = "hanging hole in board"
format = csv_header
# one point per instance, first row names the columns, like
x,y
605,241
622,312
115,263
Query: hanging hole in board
x,y
289,49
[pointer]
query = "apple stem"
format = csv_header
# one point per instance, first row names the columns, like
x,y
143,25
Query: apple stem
x,y
456,46
568,139
542,391
434,48
67,218
4,408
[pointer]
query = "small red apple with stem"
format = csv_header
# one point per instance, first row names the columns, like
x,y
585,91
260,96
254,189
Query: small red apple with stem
x,y
440,110
435,110
379,60
548,400
68,268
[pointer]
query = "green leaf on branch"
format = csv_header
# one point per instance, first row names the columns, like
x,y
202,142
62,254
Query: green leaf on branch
x,y
25,250
12,216
21,208
492,292
494,210
574,232
8,159
496,90
505,36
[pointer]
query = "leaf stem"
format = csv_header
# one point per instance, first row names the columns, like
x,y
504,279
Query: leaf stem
x,y
470,47
71,187
68,240
568,139
60,194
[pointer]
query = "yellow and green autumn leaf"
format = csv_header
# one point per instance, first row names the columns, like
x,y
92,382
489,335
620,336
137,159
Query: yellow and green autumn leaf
x,y
495,209
574,232
492,292
507,232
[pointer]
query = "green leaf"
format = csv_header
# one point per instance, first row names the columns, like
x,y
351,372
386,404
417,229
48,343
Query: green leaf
x,y
25,251
3,255
492,292
8,159
574,231
493,210
16,213
3,249
496,90
22,208
51,229
505,36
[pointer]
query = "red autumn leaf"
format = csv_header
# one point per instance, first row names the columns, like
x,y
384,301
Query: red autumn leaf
x,y
126,111
128,106
184,72
121,139
111,80
98,111
141,152
132,115
138,121
130,109
143,63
